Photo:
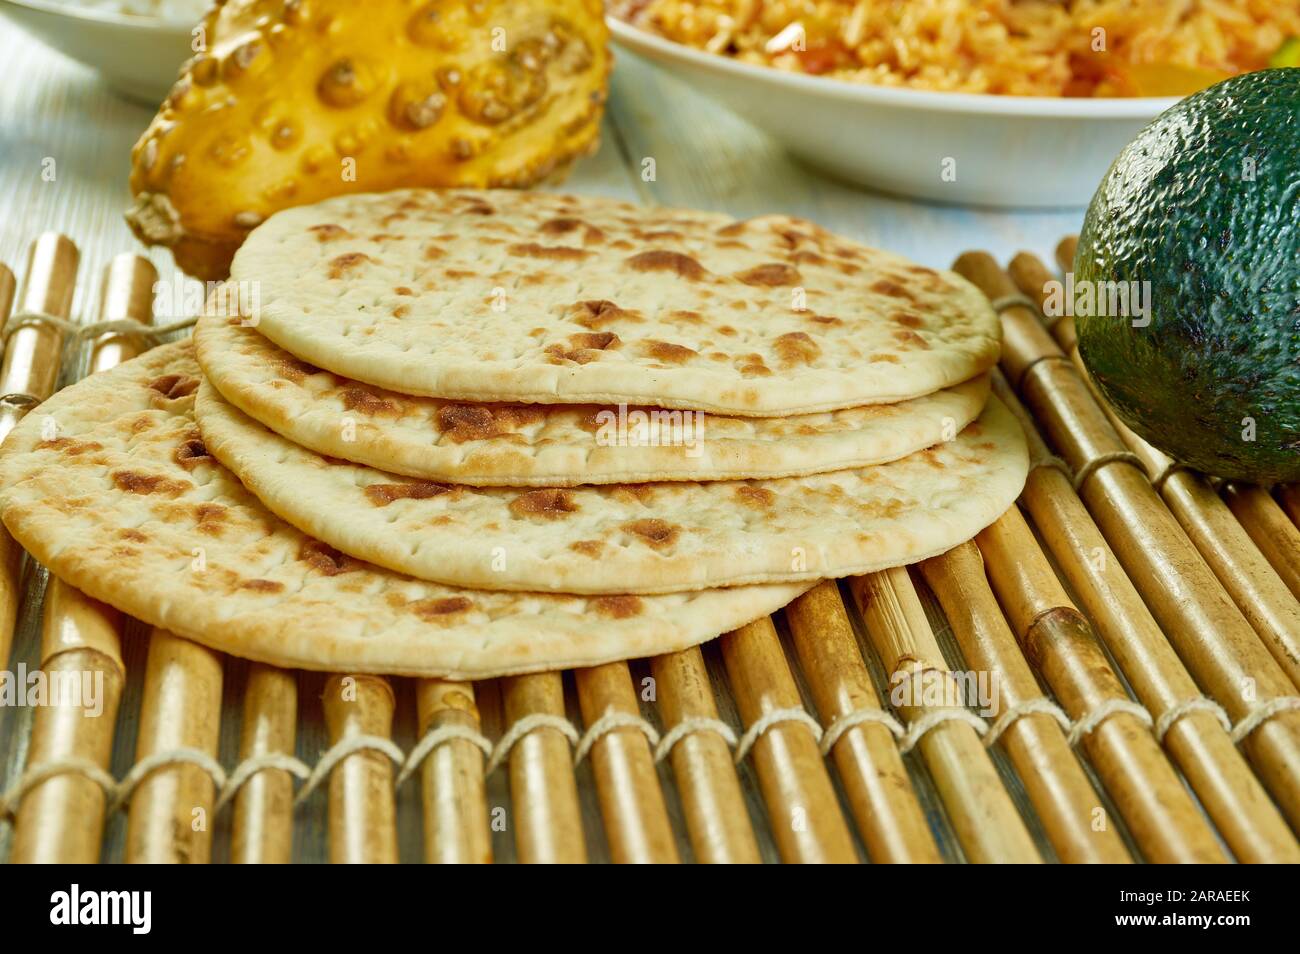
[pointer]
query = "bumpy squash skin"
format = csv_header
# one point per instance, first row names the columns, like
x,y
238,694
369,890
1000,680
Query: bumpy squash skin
x,y
1222,254
293,101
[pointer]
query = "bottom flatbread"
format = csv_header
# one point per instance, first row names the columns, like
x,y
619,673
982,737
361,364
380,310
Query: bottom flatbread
x,y
110,486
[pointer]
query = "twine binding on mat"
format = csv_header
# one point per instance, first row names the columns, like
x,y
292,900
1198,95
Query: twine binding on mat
x,y
18,400
141,770
926,721
75,331
1101,460
44,772
609,722
440,735
765,722
1039,706
690,726
529,723
1187,707
1034,365
246,769
1262,713
931,719
856,718
341,750
1014,300
1051,460
1158,481
118,794
1086,724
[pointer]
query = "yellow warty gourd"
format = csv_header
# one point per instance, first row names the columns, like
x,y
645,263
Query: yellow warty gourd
x,y
291,102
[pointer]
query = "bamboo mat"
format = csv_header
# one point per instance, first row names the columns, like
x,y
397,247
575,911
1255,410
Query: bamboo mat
x,y
1105,614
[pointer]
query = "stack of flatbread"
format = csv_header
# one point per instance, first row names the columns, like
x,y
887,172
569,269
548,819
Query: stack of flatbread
x,y
474,433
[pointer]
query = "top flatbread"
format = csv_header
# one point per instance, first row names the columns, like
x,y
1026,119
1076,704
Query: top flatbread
x,y
557,445
126,505
540,298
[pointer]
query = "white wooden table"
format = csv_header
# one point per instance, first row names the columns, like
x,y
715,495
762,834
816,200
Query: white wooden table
x,y
56,115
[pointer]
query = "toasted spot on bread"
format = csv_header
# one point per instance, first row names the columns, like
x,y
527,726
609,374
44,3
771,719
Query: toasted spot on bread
x,y
550,503
661,260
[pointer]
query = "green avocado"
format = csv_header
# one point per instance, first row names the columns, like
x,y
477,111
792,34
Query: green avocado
x,y
1187,280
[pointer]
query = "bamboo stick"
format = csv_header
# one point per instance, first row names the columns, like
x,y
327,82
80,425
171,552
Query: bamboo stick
x,y
1160,814
1065,252
717,821
1055,782
1033,278
982,814
1276,536
1288,495
627,785
62,819
543,790
262,822
362,807
27,375
11,568
170,819
127,295
1213,766
1216,642
31,361
170,813
802,808
455,799
8,288
8,291
1259,592
880,793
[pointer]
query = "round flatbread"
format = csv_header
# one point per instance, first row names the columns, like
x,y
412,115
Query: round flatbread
x,y
557,445
539,298
633,538
125,503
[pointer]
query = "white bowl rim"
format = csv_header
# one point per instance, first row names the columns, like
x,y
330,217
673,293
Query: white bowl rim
x,y
131,21
1055,107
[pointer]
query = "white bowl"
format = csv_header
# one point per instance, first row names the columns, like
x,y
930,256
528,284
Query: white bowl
x,y
139,57
967,148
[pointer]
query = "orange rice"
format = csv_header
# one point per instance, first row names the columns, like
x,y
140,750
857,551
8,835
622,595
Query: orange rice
x,y
1013,47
